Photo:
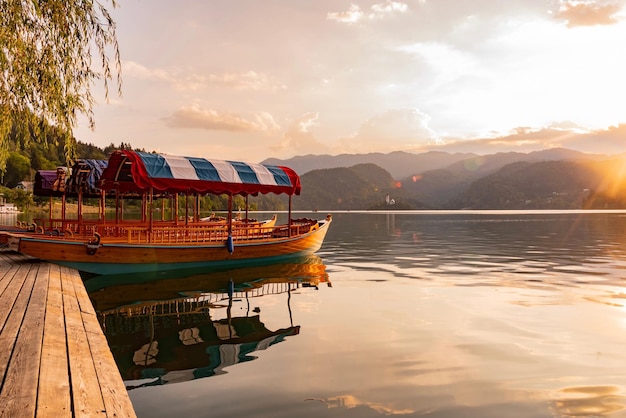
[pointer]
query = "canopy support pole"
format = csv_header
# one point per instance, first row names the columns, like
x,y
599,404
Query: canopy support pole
x,y
63,220
117,207
143,207
230,214
196,211
186,209
175,210
230,245
150,217
102,205
289,221
50,212
246,222
80,206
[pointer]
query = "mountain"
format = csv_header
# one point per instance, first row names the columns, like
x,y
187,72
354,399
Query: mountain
x,y
399,164
363,186
403,164
524,185
481,165
445,184
570,184
501,181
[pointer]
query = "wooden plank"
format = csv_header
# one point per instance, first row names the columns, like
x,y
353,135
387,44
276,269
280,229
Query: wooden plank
x,y
54,358
54,398
5,265
20,385
6,278
17,257
19,396
13,304
86,396
114,393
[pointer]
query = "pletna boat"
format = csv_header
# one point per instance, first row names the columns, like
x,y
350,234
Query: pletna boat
x,y
130,246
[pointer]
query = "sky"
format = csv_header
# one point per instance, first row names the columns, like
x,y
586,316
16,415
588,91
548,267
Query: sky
x,y
248,80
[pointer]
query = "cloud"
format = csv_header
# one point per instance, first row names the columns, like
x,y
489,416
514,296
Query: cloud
x,y
352,15
193,80
399,129
377,11
522,139
388,8
192,117
588,12
558,135
136,70
249,80
606,141
299,139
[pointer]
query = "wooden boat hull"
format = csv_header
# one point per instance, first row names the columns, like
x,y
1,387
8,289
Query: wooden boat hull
x,y
119,258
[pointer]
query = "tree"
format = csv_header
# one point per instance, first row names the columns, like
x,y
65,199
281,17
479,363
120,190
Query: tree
x,y
21,198
46,71
18,168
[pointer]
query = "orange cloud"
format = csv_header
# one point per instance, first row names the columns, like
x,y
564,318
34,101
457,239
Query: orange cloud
x,y
605,141
250,80
588,13
192,117
190,80
377,11
352,15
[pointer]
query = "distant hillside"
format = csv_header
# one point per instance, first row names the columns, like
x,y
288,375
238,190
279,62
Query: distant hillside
x,y
363,186
398,164
551,184
482,165
524,185
438,187
403,164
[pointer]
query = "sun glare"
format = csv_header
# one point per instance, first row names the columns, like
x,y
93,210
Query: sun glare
x,y
614,178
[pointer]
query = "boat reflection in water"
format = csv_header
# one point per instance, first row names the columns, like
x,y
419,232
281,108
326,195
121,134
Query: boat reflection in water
x,y
165,330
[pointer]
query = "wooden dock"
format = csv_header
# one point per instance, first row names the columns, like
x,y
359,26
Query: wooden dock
x,y
54,358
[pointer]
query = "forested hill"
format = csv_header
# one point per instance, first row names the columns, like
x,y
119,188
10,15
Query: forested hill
x,y
363,186
565,184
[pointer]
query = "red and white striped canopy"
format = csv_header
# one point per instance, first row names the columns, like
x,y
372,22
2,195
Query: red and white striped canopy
x,y
132,171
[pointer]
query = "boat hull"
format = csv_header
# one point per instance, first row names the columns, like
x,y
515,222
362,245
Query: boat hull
x,y
122,258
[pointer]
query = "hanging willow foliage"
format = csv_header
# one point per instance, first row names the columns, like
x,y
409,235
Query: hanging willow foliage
x,y
46,71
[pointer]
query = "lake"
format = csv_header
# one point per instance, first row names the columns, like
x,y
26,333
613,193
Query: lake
x,y
438,314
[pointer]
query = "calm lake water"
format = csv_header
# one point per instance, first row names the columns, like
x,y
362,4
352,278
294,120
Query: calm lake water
x,y
493,314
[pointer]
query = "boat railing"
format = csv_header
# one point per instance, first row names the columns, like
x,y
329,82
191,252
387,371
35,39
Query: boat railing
x,y
198,232
170,232
175,234
66,227
298,227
